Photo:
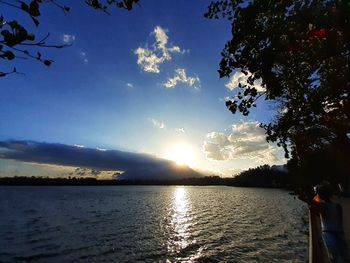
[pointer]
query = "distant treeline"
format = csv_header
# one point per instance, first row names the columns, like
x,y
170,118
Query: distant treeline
x,y
262,176
43,181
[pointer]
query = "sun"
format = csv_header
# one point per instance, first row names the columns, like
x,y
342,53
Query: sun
x,y
182,154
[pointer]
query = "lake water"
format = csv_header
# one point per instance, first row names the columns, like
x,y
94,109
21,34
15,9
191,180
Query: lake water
x,y
151,224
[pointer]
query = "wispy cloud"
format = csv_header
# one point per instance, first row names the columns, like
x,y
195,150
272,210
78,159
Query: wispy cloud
x,y
150,59
180,130
245,141
67,38
101,149
83,56
158,124
240,77
129,85
180,76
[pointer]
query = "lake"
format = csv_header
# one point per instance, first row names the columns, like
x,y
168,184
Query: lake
x,y
151,224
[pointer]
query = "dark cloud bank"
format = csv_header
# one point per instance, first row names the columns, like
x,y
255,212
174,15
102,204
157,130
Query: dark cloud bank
x,y
135,165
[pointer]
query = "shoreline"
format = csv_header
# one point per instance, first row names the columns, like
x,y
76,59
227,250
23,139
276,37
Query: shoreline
x,y
197,181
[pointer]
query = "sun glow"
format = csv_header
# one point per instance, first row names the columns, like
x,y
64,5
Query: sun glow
x,y
182,154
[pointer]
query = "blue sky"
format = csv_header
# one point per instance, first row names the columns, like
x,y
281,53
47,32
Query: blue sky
x,y
96,93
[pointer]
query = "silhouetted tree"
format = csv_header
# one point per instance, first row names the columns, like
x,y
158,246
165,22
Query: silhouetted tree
x,y
263,176
295,54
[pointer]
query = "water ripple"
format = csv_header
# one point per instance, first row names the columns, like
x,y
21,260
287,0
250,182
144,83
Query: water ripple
x,y
151,224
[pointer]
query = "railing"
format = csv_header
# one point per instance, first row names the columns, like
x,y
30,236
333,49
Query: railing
x,y
317,250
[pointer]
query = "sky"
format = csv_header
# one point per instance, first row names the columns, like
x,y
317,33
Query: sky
x,y
144,81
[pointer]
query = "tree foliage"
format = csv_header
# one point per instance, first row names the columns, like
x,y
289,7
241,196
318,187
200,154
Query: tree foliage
x,y
299,50
263,176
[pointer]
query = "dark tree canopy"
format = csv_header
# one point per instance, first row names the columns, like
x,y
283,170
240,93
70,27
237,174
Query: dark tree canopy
x,y
300,50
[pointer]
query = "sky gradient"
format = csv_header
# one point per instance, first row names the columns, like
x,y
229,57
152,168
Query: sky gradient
x,y
143,81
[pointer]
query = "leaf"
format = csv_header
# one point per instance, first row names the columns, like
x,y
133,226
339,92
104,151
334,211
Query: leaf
x,y
47,62
9,55
34,8
228,103
36,21
31,37
24,6
5,33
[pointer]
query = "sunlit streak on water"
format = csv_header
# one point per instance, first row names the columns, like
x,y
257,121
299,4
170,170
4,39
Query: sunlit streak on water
x,y
180,225
180,221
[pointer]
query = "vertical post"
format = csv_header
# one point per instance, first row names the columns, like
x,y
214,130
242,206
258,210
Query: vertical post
x,y
317,250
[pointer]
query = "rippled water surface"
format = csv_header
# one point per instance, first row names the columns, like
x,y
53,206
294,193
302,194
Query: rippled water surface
x,y
151,224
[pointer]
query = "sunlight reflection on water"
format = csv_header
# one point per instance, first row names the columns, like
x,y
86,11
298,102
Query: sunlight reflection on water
x,y
181,223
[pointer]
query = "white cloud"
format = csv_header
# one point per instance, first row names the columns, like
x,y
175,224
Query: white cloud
x,y
180,76
240,77
245,141
158,124
150,59
218,137
82,55
214,151
180,130
129,85
101,149
79,145
161,37
68,38
147,60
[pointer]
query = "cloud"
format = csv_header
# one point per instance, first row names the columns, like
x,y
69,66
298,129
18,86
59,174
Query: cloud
x,y
180,130
93,161
68,38
161,38
214,151
245,141
11,168
83,56
158,124
240,77
129,85
101,149
180,76
150,59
